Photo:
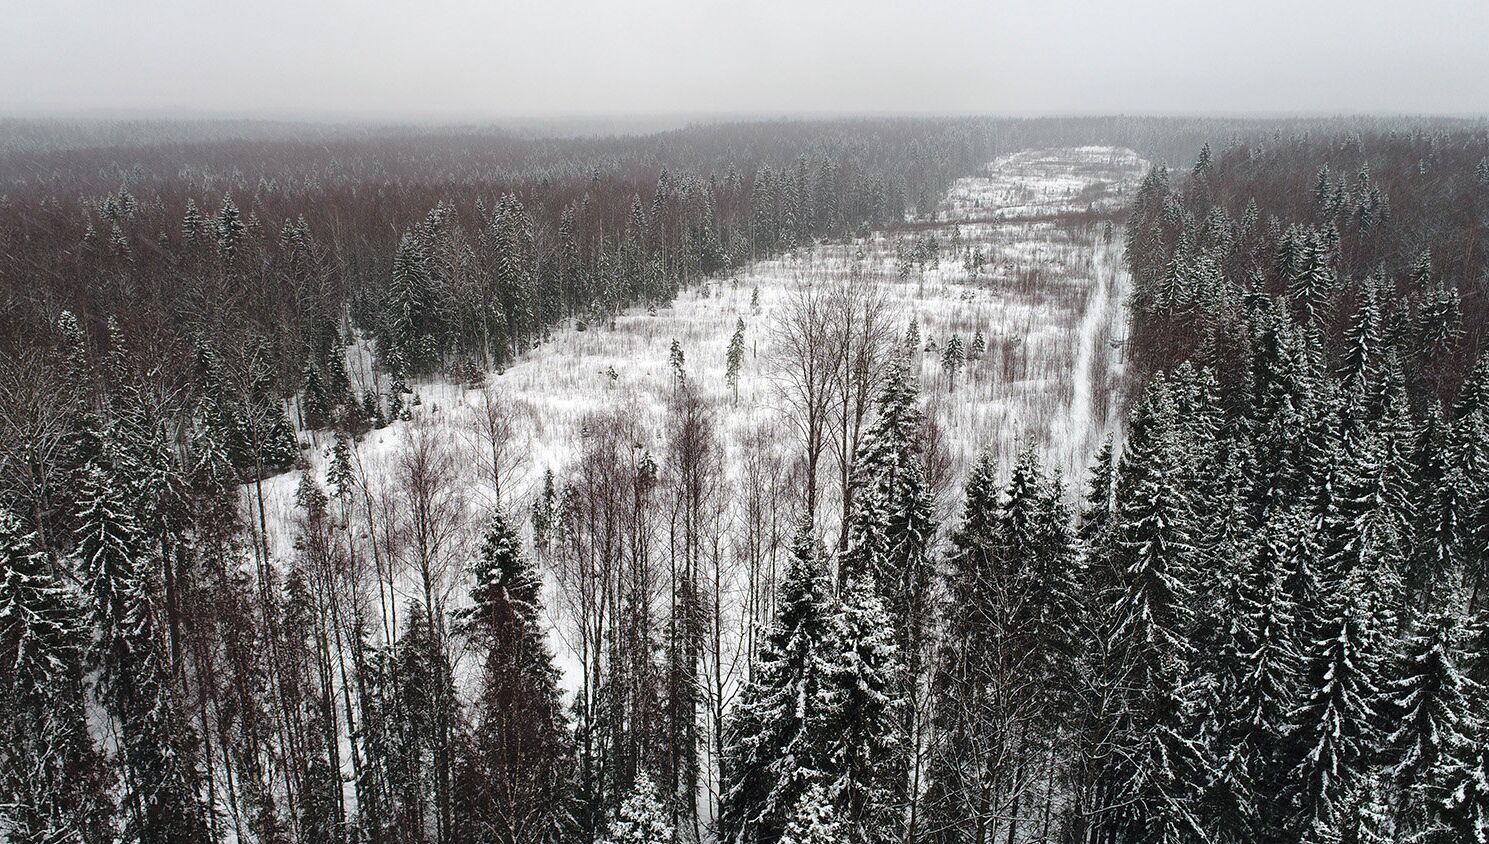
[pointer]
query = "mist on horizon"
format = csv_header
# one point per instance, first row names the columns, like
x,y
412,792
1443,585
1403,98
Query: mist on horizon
x,y
465,60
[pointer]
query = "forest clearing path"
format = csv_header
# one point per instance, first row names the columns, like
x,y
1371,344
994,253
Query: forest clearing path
x,y
1042,283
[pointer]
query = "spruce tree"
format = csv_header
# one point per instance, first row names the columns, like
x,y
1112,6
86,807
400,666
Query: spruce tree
x,y
160,803
341,475
52,779
734,358
1428,702
965,699
1335,724
675,359
861,717
892,525
1154,544
421,761
1256,667
1463,814
1157,779
953,358
814,820
514,780
775,744
641,818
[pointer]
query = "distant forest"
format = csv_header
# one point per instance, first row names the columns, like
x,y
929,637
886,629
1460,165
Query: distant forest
x,y
1262,617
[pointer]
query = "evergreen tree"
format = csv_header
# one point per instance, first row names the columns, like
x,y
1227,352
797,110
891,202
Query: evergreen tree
x,y
734,358
814,820
193,226
161,804
1154,545
340,473
515,778
641,818
958,798
52,780
419,758
1334,725
675,359
1463,814
1428,702
861,718
775,747
229,229
1310,277
1157,777
1444,507
317,404
893,523
953,358
1256,667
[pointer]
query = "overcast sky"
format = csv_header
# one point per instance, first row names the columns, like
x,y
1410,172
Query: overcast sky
x,y
470,59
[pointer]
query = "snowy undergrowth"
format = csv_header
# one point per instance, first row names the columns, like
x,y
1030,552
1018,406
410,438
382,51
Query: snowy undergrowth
x,y
1049,301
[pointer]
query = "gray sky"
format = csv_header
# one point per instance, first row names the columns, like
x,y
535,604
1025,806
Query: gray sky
x,y
464,59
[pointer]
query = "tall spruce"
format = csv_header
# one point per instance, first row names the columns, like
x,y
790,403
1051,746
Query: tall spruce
x,y
776,747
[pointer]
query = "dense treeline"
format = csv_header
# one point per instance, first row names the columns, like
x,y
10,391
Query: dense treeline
x,y
1309,537
1263,617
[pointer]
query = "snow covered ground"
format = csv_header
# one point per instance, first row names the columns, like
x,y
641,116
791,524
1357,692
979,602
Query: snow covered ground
x,y
1049,301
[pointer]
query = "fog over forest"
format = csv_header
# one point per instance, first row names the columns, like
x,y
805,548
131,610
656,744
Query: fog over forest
x,y
480,60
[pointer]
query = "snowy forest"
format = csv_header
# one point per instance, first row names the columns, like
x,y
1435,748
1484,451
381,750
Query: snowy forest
x,y
844,481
